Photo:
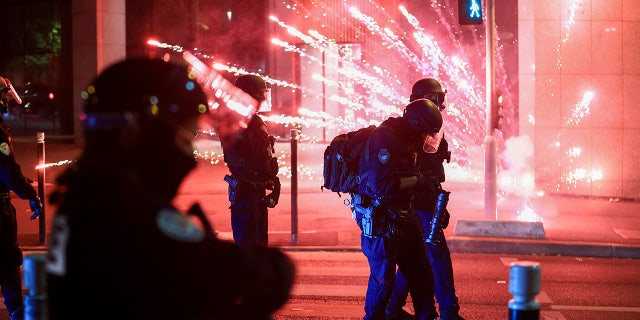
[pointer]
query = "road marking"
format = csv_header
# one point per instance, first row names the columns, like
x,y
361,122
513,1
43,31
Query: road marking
x,y
302,289
329,256
596,308
628,233
543,297
552,315
298,310
507,261
332,271
228,235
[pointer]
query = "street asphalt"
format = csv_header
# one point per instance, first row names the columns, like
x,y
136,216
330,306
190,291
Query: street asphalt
x,y
564,225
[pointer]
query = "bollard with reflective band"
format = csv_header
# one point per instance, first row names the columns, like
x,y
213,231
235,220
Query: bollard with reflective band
x,y
35,280
524,284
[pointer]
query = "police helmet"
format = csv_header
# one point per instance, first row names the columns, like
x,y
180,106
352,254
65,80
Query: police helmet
x,y
423,116
149,90
252,84
429,88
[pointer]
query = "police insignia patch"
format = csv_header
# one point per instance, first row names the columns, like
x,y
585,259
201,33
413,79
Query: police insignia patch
x,y
178,226
4,148
383,156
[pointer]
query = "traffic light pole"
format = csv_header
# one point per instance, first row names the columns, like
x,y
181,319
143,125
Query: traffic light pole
x,y
490,144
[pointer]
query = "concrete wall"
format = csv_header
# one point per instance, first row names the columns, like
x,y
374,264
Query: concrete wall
x,y
99,39
568,48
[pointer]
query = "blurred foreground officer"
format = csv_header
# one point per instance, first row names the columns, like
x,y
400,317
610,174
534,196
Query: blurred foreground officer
x,y
424,204
118,248
391,233
11,179
254,170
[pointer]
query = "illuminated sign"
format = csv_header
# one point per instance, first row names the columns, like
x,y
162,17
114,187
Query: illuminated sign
x,y
470,11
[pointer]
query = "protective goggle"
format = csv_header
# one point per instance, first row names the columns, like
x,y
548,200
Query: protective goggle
x,y
12,93
437,98
265,105
432,141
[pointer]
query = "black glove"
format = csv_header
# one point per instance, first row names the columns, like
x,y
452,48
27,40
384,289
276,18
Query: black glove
x,y
272,198
445,219
36,206
426,183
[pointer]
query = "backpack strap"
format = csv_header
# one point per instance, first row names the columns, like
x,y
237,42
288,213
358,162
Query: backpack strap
x,y
359,178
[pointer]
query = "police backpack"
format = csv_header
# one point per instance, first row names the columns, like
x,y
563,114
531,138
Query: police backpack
x,y
341,159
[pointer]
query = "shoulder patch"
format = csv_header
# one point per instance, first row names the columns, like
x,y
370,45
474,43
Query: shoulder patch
x,y
4,148
384,156
178,226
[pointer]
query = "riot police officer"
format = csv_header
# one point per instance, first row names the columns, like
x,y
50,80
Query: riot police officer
x,y
391,232
253,170
119,249
424,204
11,179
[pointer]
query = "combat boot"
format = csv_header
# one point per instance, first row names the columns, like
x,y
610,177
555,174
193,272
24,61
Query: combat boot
x,y
17,314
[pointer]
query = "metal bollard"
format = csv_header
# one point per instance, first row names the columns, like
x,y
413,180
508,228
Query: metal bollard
x,y
42,222
35,280
524,284
294,186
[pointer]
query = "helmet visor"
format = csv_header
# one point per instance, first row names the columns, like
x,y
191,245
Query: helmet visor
x,y
9,92
432,141
437,98
230,108
265,105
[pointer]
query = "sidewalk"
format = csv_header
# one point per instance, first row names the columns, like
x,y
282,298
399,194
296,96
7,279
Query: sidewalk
x,y
573,226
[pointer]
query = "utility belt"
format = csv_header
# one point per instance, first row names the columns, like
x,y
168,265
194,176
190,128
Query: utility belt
x,y
376,219
234,181
239,184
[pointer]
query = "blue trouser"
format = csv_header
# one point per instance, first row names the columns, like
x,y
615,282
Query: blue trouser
x,y
408,252
11,284
249,217
440,258
10,260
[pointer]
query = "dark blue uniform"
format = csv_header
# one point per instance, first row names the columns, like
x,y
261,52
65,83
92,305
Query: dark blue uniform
x,y
439,254
118,251
11,179
253,169
394,235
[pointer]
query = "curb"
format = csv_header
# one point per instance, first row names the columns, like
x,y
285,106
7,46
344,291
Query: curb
x,y
460,244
